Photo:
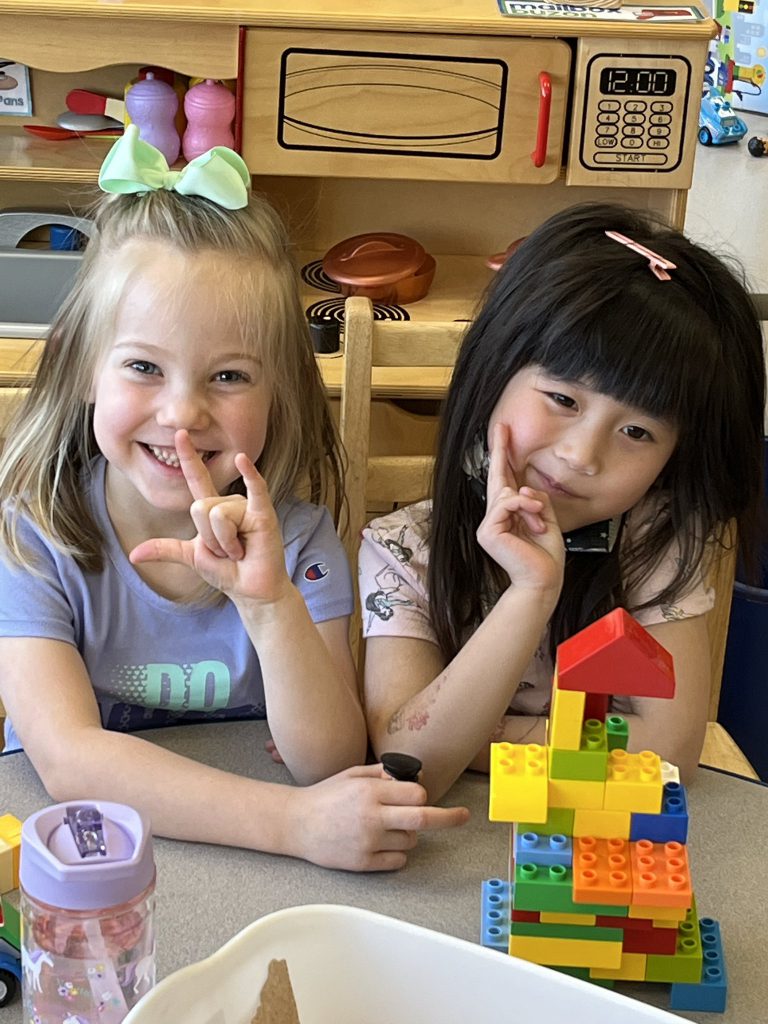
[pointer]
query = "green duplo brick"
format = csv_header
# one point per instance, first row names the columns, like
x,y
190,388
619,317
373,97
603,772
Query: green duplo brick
x,y
11,929
541,887
686,964
578,764
566,931
616,732
589,762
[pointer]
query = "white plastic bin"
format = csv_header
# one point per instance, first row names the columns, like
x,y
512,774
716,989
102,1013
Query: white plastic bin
x,y
350,966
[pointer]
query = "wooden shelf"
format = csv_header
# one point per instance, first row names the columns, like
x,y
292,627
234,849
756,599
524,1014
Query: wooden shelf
x,y
19,357
456,291
23,157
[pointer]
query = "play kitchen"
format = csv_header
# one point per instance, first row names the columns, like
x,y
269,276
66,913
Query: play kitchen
x,y
459,126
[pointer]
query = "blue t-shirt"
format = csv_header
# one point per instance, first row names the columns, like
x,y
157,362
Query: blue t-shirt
x,y
153,661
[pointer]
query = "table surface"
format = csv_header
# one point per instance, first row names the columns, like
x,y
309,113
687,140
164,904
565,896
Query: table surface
x,y
206,894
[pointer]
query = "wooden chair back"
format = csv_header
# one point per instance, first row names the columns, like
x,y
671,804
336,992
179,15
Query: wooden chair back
x,y
403,350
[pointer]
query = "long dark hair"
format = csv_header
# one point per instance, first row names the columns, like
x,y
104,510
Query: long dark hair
x,y
587,308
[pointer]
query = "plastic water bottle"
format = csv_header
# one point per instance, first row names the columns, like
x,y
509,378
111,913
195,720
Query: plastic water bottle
x,y
151,106
210,110
87,906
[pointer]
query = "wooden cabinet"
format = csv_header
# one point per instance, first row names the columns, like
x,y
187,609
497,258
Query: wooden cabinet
x,y
449,123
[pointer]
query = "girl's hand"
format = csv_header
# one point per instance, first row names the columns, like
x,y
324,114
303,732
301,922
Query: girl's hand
x,y
519,530
362,820
238,548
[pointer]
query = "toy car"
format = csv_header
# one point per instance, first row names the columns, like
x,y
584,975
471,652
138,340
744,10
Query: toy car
x,y
718,123
10,973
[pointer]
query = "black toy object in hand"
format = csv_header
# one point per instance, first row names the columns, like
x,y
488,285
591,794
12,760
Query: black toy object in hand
x,y
401,767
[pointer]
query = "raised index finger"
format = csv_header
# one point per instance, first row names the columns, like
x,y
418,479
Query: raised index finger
x,y
500,474
192,466
257,492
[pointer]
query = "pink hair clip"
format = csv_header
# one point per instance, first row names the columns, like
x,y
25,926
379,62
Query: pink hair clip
x,y
659,266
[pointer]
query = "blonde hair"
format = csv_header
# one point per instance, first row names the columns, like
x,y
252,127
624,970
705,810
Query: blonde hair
x,y
50,441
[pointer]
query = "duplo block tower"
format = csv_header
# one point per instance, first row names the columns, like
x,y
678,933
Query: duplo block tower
x,y
599,883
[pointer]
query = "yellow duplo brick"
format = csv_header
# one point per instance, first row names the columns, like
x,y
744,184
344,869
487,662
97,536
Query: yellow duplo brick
x,y
8,878
10,829
578,793
550,917
565,952
632,968
634,782
566,718
518,783
665,924
10,833
601,824
657,914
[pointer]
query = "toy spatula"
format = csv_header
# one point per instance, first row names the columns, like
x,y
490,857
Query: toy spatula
x,y
83,101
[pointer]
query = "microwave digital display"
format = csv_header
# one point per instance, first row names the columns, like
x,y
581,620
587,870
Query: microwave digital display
x,y
637,81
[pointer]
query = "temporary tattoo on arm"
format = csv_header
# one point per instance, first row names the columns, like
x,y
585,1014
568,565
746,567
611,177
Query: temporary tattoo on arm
x,y
415,715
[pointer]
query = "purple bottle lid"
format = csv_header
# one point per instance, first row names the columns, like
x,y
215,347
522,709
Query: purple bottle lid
x,y
86,855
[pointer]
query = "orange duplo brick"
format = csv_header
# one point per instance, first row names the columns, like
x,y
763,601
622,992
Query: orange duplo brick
x,y
602,871
660,875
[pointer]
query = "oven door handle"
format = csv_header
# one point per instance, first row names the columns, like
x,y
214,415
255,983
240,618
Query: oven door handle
x,y
539,155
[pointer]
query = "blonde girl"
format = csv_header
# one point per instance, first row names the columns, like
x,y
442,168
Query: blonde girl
x,y
158,565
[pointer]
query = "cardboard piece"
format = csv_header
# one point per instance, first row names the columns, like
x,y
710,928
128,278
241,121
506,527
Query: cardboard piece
x,y
278,1005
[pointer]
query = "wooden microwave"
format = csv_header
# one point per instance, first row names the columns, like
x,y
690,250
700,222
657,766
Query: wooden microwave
x,y
609,104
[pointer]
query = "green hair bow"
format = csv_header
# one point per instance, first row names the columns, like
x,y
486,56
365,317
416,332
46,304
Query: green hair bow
x,y
133,165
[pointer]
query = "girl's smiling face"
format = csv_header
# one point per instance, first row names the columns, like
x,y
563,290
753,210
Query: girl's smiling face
x,y
594,456
176,360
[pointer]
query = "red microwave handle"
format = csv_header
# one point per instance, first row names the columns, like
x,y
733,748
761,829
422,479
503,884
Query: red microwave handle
x,y
539,155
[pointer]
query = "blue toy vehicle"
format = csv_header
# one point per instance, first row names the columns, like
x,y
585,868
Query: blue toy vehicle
x,y
10,973
718,123
10,956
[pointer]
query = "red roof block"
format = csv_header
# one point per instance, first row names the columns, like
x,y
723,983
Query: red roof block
x,y
615,655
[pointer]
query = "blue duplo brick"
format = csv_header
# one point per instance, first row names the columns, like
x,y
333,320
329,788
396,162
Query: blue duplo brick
x,y
495,910
671,826
711,994
532,848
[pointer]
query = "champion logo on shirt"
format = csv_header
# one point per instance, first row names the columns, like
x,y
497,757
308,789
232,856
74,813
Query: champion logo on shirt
x,y
316,571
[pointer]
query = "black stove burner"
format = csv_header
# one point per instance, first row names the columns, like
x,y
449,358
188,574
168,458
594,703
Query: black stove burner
x,y
334,308
314,275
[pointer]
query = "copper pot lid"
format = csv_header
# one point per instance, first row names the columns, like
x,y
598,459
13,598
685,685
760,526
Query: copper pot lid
x,y
497,261
374,259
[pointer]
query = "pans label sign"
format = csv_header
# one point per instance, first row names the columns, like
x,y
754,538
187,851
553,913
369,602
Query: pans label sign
x,y
15,97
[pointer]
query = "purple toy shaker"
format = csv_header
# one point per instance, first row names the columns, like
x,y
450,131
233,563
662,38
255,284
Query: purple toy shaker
x,y
87,881
152,106
210,110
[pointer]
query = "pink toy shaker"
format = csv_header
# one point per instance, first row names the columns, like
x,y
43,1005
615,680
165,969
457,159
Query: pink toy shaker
x,y
210,110
152,106
87,880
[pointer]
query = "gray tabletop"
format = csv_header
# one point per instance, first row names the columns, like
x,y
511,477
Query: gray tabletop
x,y
206,894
